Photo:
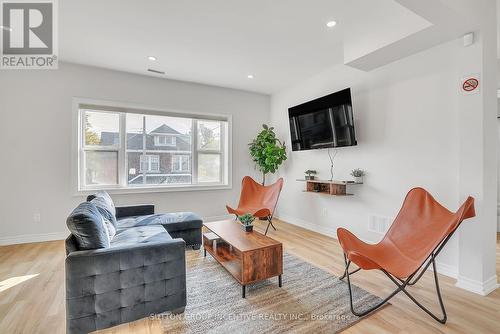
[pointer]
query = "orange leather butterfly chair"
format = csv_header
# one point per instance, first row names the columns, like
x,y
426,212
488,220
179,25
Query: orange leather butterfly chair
x,y
258,200
417,235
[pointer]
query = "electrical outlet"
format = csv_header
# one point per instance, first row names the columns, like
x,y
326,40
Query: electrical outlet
x,y
324,212
37,217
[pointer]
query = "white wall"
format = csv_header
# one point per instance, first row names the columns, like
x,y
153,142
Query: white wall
x,y
498,170
36,130
498,164
478,160
407,130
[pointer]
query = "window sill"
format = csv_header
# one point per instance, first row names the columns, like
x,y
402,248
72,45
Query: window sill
x,y
158,189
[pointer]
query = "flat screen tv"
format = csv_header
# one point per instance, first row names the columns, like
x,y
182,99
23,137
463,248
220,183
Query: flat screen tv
x,y
323,123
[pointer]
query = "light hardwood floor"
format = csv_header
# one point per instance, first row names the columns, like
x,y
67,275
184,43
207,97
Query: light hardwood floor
x,y
32,291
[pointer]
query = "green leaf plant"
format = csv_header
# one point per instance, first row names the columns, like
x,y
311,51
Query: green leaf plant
x,y
246,219
267,151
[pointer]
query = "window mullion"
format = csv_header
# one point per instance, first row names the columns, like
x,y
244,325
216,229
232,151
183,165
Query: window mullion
x,y
210,151
194,152
222,164
81,152
122,152
144,143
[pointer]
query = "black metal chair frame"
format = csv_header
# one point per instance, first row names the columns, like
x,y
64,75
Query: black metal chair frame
x,y
270,223
403,284
270,217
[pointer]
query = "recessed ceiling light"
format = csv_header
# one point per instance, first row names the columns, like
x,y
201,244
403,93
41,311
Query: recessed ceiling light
x,y
331,24
6,28
250,76
152,58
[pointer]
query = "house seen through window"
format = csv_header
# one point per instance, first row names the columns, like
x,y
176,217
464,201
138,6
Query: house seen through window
x,y
129,150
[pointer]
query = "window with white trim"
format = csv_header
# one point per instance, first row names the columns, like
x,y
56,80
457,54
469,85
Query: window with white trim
x,y
180,163
124,149
150,163
165,140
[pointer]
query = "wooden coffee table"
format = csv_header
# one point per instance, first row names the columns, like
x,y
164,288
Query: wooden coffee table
x,y
248,256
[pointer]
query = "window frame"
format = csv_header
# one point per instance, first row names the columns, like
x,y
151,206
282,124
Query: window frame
x,y
83,148
220,152
122,187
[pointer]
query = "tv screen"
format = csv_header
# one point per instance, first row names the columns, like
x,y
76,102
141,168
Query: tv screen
x,y
323,123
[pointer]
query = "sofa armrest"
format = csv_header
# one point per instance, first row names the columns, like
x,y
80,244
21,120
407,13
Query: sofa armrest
x,y
109,286
135,210
166,245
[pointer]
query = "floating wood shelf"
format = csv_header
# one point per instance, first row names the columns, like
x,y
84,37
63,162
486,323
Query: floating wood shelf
x,y
330,187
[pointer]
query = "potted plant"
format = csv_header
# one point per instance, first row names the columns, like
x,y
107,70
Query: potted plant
x,y
358,175
267,151
310,174
246,221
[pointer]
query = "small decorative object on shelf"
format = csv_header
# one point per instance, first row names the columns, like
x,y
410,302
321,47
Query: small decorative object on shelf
x,y
310,174
247,222
358,175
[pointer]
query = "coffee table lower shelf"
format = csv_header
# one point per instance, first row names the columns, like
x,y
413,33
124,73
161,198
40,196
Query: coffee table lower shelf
x,y
249,266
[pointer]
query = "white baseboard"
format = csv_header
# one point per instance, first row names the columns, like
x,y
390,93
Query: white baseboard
x,y
481,288
216,218
443,269
331,232
446,269
28,238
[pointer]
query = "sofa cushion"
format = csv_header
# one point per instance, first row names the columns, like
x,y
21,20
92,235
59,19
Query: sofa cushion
x,y
105,196
104,210
139,235
176,221
110,228
87,226
105,204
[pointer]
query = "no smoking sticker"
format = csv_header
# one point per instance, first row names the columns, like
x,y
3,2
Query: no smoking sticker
x,y
470,84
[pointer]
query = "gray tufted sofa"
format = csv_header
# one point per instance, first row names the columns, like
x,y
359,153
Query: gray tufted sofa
x,y
142,272
185,225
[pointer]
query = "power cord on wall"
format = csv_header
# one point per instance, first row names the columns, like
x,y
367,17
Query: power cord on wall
x,y
331,162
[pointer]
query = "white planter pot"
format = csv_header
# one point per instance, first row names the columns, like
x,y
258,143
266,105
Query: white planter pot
x,y
358,179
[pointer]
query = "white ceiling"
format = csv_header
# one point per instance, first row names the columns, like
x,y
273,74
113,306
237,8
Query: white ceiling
x,y
220,42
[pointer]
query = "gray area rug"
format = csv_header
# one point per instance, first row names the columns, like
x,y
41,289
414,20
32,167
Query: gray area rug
x,y
310,301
